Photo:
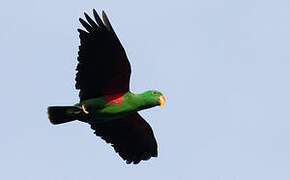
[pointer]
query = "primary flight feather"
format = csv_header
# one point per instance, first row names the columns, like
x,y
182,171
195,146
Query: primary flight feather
x,y
106,102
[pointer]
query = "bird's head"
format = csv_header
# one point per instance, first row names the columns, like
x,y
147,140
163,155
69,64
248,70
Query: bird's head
x,y
153,98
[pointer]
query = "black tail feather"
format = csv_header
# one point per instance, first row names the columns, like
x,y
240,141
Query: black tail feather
x,y
63,114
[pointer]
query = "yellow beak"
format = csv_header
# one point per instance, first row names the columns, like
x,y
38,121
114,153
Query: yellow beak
x,y
161,100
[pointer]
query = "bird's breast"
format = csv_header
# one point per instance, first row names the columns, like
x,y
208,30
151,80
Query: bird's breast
x,y
110,107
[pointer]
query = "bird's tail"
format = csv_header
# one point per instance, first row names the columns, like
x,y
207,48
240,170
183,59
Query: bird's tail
x,y
63,114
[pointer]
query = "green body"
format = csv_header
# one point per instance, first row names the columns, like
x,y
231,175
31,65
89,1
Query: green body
x,y
100,110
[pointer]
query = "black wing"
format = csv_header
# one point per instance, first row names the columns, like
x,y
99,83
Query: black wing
x,y
131,137
103,66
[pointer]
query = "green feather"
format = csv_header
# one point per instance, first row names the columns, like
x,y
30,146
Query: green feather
x,y
100,110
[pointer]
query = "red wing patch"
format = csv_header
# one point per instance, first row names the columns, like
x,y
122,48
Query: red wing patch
x,y
114,98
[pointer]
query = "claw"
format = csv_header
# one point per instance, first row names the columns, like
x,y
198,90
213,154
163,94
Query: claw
x,y
84,109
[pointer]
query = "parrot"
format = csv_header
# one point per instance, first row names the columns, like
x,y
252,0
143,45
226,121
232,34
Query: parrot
x,y
106,102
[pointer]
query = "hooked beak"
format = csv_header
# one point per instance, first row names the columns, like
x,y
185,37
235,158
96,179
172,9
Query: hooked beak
x,y
161,100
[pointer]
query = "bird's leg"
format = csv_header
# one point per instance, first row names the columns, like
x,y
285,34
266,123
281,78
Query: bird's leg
x,y
84,109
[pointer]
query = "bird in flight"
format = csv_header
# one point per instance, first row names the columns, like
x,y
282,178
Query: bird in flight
x,y
106,102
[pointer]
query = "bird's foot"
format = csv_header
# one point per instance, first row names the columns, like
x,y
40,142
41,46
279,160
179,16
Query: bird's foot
x,y
84,109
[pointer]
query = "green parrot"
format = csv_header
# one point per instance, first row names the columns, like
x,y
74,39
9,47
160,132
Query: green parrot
x,y
106,102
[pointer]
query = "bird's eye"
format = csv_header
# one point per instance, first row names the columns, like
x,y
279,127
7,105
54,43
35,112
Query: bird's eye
x,y
154,92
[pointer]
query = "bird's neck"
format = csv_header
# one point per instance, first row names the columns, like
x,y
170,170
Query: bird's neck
x,y
140,101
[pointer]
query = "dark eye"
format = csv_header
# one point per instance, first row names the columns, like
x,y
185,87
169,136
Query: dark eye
x,y
154,92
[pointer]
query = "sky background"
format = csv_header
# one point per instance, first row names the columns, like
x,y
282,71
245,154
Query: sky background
x,y
223,66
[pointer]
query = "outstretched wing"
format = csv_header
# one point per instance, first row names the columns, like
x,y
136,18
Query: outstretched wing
x,y
103,66
131,137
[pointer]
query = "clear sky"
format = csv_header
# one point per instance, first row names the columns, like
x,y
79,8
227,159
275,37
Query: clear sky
x,y
222,65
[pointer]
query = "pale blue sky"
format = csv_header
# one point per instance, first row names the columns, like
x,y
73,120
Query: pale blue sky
x,y
222,65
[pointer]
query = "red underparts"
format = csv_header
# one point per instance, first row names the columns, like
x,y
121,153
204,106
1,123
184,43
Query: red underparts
x,y
114,98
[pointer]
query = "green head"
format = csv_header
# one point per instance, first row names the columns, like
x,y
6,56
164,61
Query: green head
x,y
152,98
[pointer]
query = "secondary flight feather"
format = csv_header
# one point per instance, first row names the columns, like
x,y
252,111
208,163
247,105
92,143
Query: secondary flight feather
x,y
106,102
